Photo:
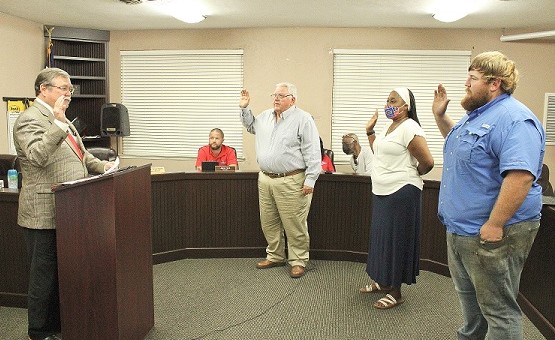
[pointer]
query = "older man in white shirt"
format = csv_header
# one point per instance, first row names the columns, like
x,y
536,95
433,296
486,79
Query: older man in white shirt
x,y
288,153
361,162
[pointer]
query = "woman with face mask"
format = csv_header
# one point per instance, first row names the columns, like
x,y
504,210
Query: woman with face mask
x,y
401,157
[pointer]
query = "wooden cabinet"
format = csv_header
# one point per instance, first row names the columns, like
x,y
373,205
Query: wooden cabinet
x,y
83,53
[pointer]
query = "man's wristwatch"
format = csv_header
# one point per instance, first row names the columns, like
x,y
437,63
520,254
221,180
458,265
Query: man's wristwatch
x,y
370,133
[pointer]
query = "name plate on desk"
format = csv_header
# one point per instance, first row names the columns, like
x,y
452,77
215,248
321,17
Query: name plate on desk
x,y
222,168
157,170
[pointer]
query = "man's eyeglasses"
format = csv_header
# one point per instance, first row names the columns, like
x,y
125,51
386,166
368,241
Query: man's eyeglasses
x,y
63,88
280,96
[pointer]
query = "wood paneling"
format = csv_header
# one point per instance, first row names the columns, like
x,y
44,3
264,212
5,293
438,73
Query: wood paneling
x,y
537,288
197,213
103,235
14,266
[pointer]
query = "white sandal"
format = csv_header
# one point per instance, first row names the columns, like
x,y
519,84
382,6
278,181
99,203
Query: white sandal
x,y
373,288
388,302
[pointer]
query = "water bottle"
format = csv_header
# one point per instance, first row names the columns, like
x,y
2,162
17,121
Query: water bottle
x,y
12,179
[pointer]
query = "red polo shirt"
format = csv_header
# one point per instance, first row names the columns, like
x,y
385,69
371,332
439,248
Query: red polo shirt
x,y
226,156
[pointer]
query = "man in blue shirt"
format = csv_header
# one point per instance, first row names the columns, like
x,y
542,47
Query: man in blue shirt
x,y
489,198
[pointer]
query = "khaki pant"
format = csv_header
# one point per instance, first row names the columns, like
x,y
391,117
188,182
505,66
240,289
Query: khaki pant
x,y
283,213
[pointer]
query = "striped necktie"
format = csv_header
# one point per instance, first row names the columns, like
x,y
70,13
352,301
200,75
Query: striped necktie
x,y
75,146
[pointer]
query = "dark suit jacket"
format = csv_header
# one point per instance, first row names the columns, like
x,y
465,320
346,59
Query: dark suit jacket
x,y
47,158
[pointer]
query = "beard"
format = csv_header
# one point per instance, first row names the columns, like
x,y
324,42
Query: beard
x,y
214,146
472,101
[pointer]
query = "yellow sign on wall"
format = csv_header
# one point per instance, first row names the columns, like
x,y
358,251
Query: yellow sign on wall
x,y
17,105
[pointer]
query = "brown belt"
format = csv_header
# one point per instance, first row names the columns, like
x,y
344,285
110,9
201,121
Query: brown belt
x,y
283,174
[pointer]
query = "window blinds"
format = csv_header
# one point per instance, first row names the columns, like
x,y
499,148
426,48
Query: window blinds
x,y
363,79
549,118
175,98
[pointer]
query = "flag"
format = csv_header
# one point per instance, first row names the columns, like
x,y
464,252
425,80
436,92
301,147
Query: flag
x,y
49,53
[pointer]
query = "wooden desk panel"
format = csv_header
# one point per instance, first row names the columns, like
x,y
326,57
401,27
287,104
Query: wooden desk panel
x,y
14,266
433,247
206,215
225,206
537,291
339,219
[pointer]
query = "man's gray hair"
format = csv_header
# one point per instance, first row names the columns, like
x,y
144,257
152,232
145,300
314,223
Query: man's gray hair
x,y
47,75
292,89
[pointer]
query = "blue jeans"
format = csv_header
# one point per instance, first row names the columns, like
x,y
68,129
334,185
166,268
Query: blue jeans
x,y
487,279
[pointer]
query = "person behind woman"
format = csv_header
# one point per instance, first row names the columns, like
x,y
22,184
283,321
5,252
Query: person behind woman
x,y
401,157
327,162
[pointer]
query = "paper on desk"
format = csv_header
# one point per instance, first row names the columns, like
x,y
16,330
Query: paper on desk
x,y
80,180
110,170
114,167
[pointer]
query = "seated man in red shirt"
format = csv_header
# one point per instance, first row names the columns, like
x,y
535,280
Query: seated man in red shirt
x,y
216,151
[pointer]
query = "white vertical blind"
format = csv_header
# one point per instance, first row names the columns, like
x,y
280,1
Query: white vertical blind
x,y
363,79
549,118
175,98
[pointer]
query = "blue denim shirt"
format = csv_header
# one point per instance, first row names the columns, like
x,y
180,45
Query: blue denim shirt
x,y
500,136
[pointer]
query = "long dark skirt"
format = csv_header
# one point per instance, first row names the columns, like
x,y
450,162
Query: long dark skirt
x,y
394,248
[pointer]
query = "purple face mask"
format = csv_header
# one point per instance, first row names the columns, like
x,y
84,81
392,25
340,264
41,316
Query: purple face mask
x,y
391,112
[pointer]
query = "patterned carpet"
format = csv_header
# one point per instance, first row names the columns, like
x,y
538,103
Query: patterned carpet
x,y
231,299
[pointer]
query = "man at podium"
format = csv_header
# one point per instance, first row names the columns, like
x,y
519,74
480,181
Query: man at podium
x,y
50,151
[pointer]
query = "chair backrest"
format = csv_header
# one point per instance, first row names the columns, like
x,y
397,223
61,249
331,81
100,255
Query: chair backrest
x,y
547,189
103,153
330,155
237,167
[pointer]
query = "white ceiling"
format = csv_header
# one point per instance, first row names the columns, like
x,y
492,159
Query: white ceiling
x,y
517,16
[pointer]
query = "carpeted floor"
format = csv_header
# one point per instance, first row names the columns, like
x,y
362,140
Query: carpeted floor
x,y
231,299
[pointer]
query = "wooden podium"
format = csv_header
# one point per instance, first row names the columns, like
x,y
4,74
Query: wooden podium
x,y
104,242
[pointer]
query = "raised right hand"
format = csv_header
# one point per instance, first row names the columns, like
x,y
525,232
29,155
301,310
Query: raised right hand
x,y
372,122
60,107
439,106
245,99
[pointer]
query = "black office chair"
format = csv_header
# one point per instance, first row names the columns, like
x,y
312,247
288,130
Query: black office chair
x,y
547,189
330,155
237,167
103,153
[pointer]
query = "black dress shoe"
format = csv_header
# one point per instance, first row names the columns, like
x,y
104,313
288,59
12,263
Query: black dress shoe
x,y
50,337
53,337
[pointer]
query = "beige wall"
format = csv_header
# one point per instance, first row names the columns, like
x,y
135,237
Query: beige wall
x,y
22,56
301,56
